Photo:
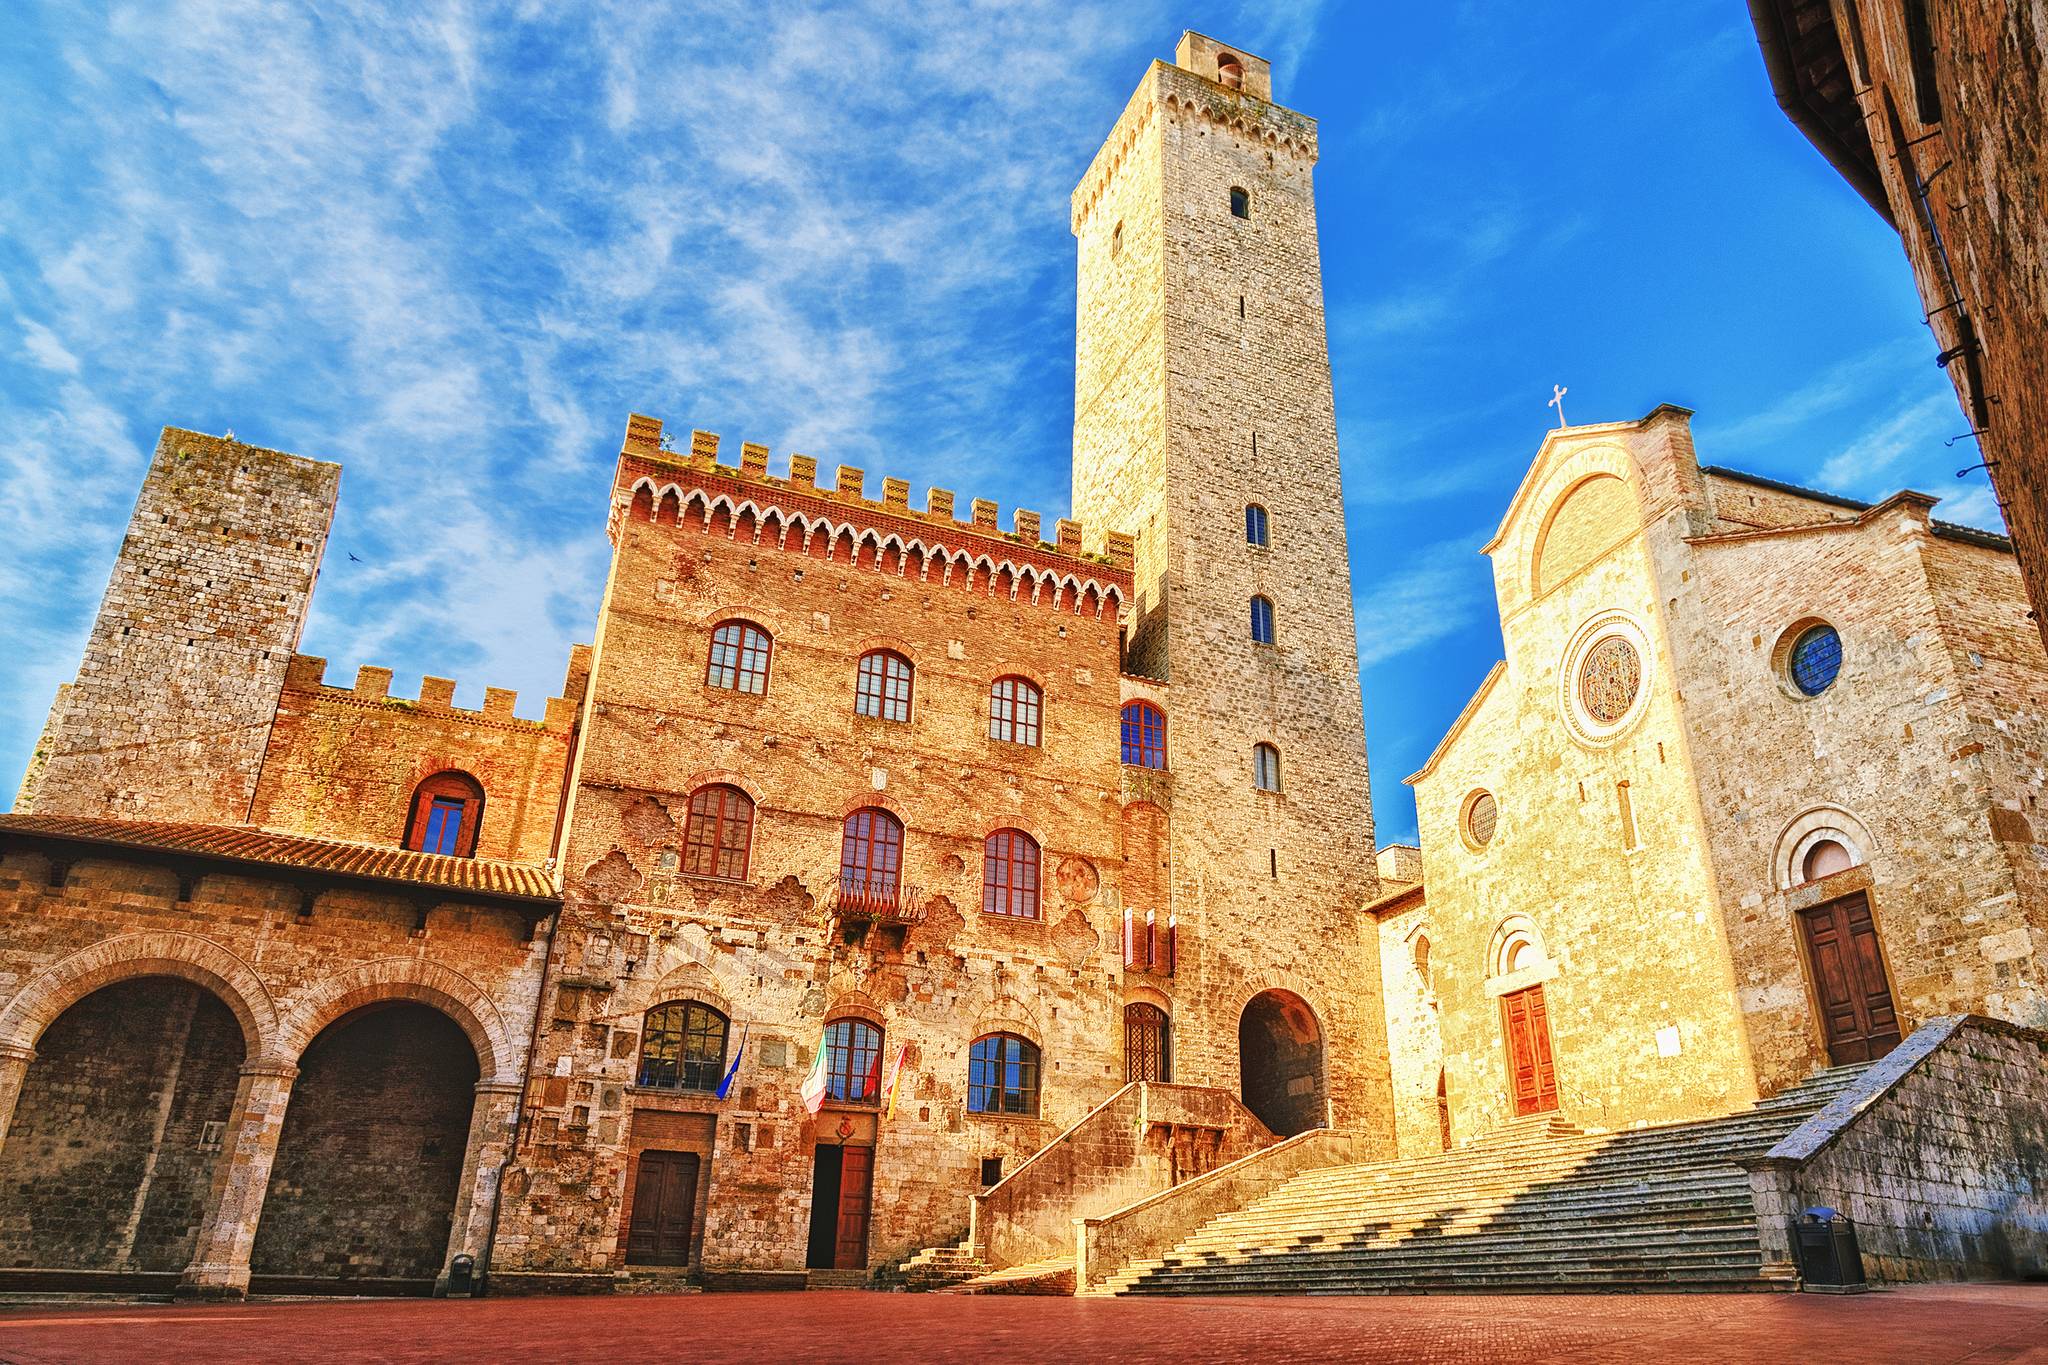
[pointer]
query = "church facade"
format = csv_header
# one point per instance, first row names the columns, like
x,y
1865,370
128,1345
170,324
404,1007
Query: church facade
x,y
1752,794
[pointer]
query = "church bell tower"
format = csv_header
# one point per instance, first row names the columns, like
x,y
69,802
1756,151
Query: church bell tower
x,y
1204,427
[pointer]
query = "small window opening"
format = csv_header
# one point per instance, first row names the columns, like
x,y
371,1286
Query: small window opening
x,y
1628,815
1262,620
991,1170
1116,241
1920,52
1229,71
1240,307
1266,767
1240,203
1273,863
1255,527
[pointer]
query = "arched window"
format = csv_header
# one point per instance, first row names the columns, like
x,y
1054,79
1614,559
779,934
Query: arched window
x,y
1144,735
1002,1076
853,1061
447,811
1240,202
1266,767
718,832
1262,620
1255,533
1116,241
1147,1048
1229,71
682,1047
739,658
883,688
1009,874
1422,957
870,854
1013,706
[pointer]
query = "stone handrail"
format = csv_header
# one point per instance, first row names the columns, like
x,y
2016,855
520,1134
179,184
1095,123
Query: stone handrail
x,y
1131,1145
1107,1243
1939,1152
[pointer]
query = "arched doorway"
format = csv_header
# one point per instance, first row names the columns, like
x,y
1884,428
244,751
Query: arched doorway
x,y
110,1158
364,1186
1280,1063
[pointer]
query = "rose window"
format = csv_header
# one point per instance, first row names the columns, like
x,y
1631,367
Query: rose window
x,y
1609,678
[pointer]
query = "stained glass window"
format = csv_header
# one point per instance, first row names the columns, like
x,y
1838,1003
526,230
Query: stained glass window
x,y
1609,678
1816,660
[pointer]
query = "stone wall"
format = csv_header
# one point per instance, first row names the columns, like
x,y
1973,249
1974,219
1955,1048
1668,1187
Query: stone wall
x,y
171,710
1939,1153
1415,1048
344,762
365,1179
1915,758
284,958
111,1153
1202,385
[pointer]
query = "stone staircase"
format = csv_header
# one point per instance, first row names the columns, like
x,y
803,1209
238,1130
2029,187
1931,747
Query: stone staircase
x,y
936,1268
1047,1278
1539,1206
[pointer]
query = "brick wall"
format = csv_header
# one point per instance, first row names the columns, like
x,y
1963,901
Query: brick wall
x,y
170,713
639,931
1986,170
344,762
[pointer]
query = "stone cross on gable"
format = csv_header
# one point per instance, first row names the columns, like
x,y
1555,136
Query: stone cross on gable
x,y
1557,393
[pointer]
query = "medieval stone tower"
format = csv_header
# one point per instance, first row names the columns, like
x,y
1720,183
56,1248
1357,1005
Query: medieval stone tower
x,y
1204,427
171,712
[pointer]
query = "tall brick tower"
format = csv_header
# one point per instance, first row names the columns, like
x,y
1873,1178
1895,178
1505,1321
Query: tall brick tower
x,y
172,709
1202,389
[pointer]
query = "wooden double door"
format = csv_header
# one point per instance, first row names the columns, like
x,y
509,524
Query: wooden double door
x,y
1850,987
664,1209
842,1185
1532,1073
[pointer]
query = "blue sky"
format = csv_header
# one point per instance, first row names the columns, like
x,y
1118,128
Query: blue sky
x,y
452,243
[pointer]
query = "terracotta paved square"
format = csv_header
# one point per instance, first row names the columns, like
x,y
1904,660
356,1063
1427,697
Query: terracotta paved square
x,y
1926,1325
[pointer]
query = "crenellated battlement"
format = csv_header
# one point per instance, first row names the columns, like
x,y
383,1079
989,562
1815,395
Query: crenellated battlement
x,y
657,482
307,673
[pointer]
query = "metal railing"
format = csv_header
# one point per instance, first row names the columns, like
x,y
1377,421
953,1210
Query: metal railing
x,y
856,899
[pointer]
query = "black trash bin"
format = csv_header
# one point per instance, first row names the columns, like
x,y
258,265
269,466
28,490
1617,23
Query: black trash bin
x,y
462,1276
1829,1259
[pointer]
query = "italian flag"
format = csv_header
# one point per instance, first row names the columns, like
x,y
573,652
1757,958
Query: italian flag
x,y
813,1088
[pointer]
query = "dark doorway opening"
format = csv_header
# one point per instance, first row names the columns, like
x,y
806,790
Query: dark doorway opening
x,y
664,1209
1849,982
1280,1063
842,1182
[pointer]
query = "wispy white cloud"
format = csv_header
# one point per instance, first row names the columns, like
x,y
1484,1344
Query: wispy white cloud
x,y
1865,466
1441,591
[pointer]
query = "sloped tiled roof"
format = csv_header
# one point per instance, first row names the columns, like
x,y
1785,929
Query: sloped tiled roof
x,y
271,848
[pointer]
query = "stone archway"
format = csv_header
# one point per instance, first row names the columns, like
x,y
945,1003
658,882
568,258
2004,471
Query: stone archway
x,y
1280,1063
368,1176
119,1129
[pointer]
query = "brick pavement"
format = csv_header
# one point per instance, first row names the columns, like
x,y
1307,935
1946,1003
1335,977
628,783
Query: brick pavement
x,y
1926,1325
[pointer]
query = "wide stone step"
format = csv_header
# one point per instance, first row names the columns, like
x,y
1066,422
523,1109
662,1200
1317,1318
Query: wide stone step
x,y
1054,1277
1310,1264
1733,1239
1536,1199
1283,1234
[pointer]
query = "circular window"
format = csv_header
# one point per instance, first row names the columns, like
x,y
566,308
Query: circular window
x,y
1603,679
1815,660
1482,813
1609,678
